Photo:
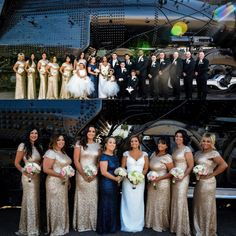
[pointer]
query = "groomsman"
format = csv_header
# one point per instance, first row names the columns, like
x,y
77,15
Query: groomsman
x,y
201,69
188,74
122,77
176,68
152,73
114,62
141,70
161,86
129,64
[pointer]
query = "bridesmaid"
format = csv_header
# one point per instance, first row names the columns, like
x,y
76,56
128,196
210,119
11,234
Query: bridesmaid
x,y
204,203
107,220
43,76
66,71
52,69
19,68
158,199
132,201
30,68
56,187
93,74
29,152
86,153
78,60
183,158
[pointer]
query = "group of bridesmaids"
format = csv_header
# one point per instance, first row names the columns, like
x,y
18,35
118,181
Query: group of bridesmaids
x,y
96,202
75,81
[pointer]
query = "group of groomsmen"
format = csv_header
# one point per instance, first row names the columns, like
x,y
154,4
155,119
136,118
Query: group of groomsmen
x,y
152,77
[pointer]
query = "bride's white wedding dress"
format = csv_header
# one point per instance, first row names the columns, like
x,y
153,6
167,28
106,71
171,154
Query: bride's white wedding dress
x,y
132,201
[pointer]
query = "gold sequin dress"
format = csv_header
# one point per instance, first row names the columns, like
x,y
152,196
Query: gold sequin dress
x,y
43,79
67,73
29,216
86,194
204,203
20,90
31,89
179,223
53,78
158,200
57,196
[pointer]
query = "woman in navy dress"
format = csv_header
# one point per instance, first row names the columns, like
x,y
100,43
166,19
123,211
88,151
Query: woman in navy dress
x,y
107,220
93,74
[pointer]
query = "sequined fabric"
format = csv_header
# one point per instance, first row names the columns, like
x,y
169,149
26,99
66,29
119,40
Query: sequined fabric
x,y
158,200
179,205
43,79
20,90
86,194
29,216
52,92
31,87
204,203
65,79
57,196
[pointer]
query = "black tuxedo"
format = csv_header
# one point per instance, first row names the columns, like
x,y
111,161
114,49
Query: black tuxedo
x,y
188,69
141,65
176,68
133,83
161,81
153,69
129,66
122,78
115,66
201,68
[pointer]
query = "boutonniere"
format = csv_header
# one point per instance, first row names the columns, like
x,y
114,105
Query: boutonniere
x,y
141,59
125,70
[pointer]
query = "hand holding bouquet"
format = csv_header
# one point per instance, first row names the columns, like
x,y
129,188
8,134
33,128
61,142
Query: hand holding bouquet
x,y
90,170
31,168
177,172
67,171
135,178
152,176
199,170
120,172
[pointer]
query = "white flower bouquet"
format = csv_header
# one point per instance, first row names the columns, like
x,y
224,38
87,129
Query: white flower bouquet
x,y
90,170
199,170
31,168
135,178
152,176
31,70
67,171
20,71
177,172
96,70
104,73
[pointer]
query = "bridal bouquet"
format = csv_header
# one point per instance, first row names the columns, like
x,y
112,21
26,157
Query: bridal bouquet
x,y
177,172
31,70
152,176
31,168
90,170
104,73
96,70
199,170
120,172
135,178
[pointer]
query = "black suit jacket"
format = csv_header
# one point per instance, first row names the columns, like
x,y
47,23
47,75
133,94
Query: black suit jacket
x,y
121,77
176,68
188,68
153,69
141,66
202,68
163,65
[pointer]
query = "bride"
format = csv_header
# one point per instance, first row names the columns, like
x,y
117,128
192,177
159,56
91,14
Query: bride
x,y
132,202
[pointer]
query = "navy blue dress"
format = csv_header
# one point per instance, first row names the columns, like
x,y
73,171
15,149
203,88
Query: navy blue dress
x,y
94,80
108,218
